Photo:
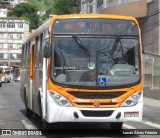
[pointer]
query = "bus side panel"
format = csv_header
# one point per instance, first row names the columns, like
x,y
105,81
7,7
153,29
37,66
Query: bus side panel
x,y
22,94
37,85
24,85
28,92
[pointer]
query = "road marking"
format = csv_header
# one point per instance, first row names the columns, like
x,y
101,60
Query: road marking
x,y
151,124
128,126
27,126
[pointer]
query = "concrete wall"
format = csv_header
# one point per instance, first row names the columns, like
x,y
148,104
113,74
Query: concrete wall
x,y
150,28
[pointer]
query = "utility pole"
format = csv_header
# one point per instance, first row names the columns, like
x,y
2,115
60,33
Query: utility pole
x,y
8,46
88,6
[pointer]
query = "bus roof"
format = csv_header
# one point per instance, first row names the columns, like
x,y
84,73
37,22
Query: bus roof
x,y
95,16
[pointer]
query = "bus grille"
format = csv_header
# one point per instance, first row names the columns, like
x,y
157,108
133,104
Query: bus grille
x,y
96,95
97,113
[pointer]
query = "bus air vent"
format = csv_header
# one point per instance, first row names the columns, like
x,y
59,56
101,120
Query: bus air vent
x,y
96,95
106,113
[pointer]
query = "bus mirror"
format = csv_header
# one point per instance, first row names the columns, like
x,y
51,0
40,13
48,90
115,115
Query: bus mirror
x,y
47,50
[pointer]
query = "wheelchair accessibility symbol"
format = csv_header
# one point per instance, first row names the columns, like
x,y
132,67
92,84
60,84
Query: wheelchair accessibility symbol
x,y
102,81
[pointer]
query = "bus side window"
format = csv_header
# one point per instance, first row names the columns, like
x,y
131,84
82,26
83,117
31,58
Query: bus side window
x,y
28,55
25,54
41,50
22,57
37,46
129,54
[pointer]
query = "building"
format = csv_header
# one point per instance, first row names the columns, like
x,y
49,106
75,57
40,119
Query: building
x,y
148,15
12,33
9,4
146,11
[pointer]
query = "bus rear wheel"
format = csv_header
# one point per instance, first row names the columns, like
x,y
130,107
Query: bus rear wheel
x,y
29,113
116,125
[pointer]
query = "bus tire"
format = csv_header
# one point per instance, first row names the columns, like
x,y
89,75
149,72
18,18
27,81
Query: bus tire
x,y
45,125
116,125
29,113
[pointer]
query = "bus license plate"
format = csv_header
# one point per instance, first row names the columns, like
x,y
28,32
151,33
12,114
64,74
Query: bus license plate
x,y
131,114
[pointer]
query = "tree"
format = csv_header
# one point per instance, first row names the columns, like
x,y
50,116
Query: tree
x,y
39,4
66,6
61,7
27,12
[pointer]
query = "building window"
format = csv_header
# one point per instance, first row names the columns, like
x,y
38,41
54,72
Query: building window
x,y
20,25
10,46
19,46
5,56
1,46
2,25
10,36
13,56
1,35
18,56
19,36
1,55
11,25
99,3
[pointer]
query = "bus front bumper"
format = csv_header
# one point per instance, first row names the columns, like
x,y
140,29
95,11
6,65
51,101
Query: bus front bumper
x,y
73,114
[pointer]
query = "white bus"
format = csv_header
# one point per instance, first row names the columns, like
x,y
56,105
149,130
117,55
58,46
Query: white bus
x,y
84,68
6,73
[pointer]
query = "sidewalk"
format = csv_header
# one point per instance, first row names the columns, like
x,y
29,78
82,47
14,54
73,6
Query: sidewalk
x,y
151,102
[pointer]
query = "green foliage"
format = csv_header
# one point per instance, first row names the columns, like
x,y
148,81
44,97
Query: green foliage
x,y
60,7
65,6
40,4
28,12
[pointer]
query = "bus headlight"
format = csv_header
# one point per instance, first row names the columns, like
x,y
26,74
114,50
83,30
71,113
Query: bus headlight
x,y
59,99
132,100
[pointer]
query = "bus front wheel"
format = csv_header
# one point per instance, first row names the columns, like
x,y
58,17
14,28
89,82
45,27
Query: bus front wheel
x,y
45,125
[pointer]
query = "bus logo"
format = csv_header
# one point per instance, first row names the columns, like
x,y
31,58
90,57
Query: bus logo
x,y
96,103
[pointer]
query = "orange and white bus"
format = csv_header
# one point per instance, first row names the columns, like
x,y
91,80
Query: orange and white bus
x,y
16,74
6,73
84,68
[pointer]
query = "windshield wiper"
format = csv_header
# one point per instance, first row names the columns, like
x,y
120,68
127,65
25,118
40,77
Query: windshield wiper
x,y
81,45
114,47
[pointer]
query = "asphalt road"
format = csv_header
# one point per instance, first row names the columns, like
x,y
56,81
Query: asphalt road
x,y
12,116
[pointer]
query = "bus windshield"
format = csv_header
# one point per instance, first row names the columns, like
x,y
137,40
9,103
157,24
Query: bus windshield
x,y
95,59
16,72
